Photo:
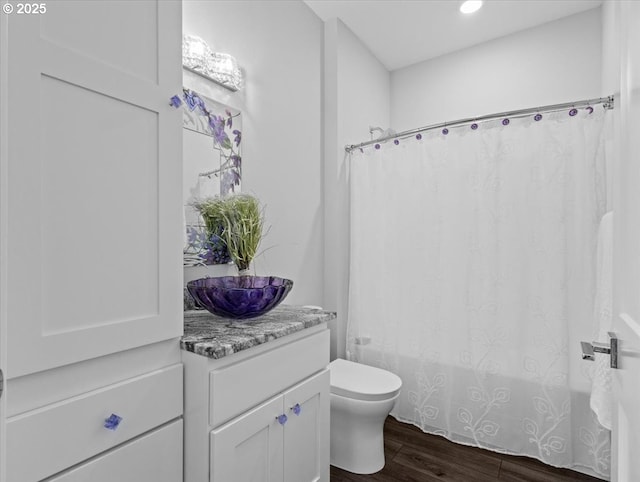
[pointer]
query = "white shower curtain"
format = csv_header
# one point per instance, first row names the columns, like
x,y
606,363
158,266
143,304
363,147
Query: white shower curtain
x,y
472,276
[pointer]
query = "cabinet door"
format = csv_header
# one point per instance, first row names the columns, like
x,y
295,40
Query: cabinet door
x,y
155,457
94,222
249,448
306,435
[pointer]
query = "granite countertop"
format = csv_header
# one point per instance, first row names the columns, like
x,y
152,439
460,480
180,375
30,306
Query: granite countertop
x,y
216,337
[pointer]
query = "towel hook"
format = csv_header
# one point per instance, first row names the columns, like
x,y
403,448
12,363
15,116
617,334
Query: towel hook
x,y
590,349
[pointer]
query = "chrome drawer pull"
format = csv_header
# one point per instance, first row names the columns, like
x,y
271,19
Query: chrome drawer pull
x,y
112,422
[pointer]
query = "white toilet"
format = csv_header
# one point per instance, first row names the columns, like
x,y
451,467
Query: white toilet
x,y
361,398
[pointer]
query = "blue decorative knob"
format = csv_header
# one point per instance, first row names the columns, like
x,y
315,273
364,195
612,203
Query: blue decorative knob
x,y
282,419
296,409
112,422
175,101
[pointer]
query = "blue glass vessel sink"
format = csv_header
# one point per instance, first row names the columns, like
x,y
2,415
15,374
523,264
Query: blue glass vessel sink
x,y
239,297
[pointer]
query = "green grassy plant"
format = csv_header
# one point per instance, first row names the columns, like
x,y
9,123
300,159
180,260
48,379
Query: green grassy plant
x,y
241,218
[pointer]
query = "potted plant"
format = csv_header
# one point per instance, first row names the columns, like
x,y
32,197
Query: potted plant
x,y
238,220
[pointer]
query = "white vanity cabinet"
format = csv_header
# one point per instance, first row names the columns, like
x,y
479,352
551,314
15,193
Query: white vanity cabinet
x,y
260,415
282,439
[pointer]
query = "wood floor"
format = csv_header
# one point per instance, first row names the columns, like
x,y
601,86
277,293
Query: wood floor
x,y
413,456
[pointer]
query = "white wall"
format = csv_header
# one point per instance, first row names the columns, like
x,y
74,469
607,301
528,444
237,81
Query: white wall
x,y
356,96
279,46
557,62
610,49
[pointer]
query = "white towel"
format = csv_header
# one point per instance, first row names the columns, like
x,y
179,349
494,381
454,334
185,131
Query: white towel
x,y
601,400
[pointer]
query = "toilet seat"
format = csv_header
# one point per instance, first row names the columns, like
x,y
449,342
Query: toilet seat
x,y
362,382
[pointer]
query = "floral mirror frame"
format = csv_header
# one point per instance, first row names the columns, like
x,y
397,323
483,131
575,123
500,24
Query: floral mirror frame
x,y
208,127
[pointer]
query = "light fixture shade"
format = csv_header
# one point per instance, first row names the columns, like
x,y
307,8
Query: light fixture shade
x,y
198,57
471,6
195,53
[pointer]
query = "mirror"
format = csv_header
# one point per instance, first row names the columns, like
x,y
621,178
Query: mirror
x,y
212,166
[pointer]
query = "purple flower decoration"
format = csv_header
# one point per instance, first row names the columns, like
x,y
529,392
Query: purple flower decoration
x,y
193,100
217,124
238,137
230,179
474,126
175,101
222,138
445,131
200,105
505,122
193,235
190,99
537,117
227,183
377,146
396,142
214,251
230,167
573,112
229,118
418,136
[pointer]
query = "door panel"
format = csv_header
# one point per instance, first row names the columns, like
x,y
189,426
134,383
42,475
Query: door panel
x,y
3,232
94,165
306,435
249,448
625,465
86,221
626,423
93,31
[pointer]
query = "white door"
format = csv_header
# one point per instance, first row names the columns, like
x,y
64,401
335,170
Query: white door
x,y
93,196
626,316
3,230
249,448
306,434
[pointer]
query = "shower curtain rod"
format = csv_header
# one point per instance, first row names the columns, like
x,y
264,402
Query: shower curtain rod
x,y
607,103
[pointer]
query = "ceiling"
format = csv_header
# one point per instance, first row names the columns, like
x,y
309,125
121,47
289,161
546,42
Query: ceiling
x,y
402,32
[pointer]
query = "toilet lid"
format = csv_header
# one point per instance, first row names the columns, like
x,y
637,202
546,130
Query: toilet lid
x,y
362,382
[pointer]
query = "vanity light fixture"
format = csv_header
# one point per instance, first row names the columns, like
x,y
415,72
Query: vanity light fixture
x,y
221,68
471,6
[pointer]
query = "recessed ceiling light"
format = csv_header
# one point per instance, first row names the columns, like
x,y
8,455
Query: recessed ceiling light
x,y
471,6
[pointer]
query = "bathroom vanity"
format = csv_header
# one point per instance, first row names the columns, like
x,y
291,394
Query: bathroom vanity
x,y
256,403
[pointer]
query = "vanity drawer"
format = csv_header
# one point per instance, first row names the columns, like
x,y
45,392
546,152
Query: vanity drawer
x,y
236,388
49,439
155,457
